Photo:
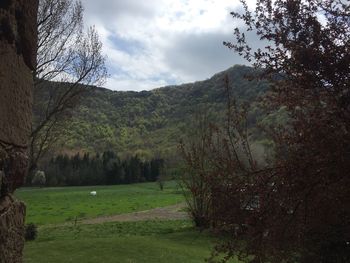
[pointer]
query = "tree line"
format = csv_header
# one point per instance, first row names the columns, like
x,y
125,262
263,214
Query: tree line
x,y
101,169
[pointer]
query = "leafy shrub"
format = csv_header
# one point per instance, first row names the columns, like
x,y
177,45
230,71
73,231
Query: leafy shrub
x,y
31,232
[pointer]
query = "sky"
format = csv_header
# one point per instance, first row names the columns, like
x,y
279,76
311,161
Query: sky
x,y
155,43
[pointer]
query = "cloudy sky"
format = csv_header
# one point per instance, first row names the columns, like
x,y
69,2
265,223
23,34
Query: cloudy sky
x,y
155,43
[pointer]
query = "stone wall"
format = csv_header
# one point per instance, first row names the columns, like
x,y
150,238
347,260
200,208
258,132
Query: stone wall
x,y
11,229
17,60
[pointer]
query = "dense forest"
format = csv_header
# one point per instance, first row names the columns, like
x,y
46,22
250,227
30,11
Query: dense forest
x,y
101,169
151,123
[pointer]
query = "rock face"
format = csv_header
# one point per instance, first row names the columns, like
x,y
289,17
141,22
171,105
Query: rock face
x,y
17,53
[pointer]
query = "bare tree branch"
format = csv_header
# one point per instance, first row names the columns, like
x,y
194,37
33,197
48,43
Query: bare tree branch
x,y
70,61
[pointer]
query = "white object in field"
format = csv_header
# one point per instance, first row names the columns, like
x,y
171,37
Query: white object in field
x,y
93,193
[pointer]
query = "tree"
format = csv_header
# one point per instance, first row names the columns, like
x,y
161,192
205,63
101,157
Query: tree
x,y
39,179
194,181
70,61
297,208
162,176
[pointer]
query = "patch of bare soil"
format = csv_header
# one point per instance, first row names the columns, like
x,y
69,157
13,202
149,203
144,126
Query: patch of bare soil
x,y
172,212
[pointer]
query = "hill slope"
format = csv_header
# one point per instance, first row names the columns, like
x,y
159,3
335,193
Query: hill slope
x,y
152,122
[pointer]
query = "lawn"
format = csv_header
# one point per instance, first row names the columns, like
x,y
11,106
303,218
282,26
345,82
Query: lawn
x,y
143,241
63,204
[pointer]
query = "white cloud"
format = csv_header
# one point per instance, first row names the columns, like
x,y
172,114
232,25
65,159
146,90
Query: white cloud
x,y
159,42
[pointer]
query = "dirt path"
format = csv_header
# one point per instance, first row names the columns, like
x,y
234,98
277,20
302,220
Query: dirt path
x,y
172,212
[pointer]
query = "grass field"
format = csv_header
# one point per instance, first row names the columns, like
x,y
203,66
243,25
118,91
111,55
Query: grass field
x,y
63,204
144,242
131,242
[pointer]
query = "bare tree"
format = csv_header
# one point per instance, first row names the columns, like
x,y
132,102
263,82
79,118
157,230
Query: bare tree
x,y
70,61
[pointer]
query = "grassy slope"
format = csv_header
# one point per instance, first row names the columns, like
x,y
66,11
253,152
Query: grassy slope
x,y
59,205
148,241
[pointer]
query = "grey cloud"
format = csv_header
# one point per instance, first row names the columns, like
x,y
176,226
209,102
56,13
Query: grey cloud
x,y
107,9
199,56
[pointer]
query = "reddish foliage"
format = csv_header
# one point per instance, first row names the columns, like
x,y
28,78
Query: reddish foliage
x,y
303,211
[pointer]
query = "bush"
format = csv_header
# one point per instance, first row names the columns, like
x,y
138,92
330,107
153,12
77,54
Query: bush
x,y
31,232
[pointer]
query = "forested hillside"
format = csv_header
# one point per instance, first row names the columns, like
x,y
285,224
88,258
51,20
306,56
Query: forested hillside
x,y
150,123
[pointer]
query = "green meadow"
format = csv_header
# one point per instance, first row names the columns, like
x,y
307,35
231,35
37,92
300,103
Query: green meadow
x,y
143,241
63,239
64,204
